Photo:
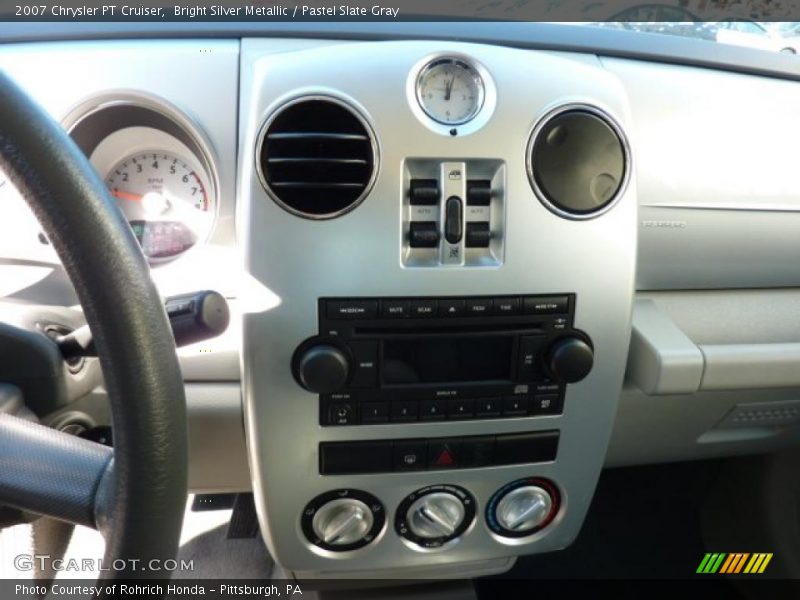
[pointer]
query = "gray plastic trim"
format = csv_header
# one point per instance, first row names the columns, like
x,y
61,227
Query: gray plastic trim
x,y
662,359
744,366
217,449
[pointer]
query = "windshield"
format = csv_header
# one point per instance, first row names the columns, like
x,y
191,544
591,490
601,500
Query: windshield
x,y
781,36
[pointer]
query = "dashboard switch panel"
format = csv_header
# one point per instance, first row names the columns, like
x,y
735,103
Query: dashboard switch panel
x,y
453,213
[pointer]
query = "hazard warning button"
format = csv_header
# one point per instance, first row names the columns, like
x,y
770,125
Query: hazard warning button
x,y
442,454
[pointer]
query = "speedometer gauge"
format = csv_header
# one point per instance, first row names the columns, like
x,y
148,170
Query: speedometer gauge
x,y
164,199
450,91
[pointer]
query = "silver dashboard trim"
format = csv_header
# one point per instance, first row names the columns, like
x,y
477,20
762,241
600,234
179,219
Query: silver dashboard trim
x,y
359,255
611,122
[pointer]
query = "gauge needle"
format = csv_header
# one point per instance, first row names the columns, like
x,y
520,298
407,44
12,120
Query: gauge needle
x,y
449,88
126,195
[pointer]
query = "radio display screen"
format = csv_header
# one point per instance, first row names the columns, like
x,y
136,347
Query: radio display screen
x,y
446,360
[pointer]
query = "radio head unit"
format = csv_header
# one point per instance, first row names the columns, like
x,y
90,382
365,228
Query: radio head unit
x,y
394,360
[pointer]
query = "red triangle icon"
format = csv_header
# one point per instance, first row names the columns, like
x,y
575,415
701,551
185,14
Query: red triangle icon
x,y
444,459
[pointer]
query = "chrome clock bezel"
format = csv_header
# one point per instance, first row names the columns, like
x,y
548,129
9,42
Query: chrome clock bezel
x,y
457,61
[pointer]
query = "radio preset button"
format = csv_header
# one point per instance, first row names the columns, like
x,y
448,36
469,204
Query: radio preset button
x,y
394,309
453,307
352,309
461,409
431,410
515,406
507,306
479,307
375,412
365,365
546,305
487,407
404,411
424,308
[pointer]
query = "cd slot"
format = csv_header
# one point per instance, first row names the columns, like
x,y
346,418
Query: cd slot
x,y
450,329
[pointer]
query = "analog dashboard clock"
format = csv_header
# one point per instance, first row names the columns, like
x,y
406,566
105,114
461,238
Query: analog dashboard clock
x,y
450,90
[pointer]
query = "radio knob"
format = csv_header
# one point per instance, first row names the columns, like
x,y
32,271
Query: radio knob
x,y
322,369
570,359
524,509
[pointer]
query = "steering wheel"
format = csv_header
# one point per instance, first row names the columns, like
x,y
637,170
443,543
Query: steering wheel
x,y
134,495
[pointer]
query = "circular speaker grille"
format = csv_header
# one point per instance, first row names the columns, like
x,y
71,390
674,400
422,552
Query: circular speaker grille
x,y
316,157
577,162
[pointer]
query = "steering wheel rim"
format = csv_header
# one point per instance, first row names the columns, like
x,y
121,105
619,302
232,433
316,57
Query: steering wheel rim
x,y
138,498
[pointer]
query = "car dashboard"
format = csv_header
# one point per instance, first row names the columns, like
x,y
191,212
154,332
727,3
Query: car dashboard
x,y
465,277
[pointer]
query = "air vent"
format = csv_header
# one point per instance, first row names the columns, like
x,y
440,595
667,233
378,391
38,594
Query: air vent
x,y
577,162
317,157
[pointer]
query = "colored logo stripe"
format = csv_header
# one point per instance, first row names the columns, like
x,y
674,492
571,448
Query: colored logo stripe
x,y
711,563
758,563
733,563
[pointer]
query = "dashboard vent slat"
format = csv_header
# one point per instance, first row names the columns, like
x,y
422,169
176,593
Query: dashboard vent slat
x,y
308,135
317,184
317,157
343,161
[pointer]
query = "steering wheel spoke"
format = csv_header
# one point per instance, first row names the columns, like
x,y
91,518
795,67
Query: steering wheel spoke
x,y
52,473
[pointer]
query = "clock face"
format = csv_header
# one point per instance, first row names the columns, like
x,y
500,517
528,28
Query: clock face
x,y
450,91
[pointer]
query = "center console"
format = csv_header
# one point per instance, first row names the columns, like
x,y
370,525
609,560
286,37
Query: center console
x,y
431,380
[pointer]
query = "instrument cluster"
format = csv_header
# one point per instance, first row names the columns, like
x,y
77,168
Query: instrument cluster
x,y
158,169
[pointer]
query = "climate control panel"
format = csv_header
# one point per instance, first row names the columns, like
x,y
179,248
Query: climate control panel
x,y
430,518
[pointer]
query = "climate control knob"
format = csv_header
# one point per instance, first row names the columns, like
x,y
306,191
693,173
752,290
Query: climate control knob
x,y
322,368
569,359
343,520
435,515
522,507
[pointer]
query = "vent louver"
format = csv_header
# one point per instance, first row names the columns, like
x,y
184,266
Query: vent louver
x,y
317,157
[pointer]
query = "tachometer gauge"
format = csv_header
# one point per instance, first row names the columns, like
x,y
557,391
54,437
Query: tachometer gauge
x,y
450,91
165,200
